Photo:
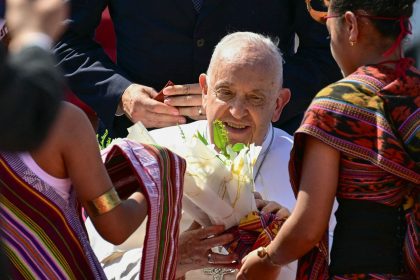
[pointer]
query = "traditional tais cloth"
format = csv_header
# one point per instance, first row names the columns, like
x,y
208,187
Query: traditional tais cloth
x,y
159,174
372,117
43,235
254,230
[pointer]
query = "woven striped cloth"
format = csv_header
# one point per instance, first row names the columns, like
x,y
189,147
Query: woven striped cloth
x,y
254,230
43,235
373,118
158,174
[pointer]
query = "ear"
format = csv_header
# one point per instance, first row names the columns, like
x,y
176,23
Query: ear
x,y
352,26
281,102
203,84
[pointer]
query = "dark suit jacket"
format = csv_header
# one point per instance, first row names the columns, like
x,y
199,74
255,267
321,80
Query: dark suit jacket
x,y
31,89
165,40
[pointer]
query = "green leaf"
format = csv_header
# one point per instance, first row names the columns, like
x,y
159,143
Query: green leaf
x,y
220,136
104,140
238,147
201,138
182,133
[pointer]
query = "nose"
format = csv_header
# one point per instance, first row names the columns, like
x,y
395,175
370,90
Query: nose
x,y
238,108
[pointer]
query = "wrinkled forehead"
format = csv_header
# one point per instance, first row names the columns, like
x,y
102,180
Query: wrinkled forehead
x,y
256,66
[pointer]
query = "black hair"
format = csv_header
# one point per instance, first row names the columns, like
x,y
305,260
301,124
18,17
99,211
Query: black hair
x,y
380,8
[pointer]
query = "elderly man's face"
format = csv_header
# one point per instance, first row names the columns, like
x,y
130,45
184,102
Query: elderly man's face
x,y
246,97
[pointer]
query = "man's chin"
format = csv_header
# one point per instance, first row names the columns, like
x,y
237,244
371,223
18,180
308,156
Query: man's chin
x,y
243,140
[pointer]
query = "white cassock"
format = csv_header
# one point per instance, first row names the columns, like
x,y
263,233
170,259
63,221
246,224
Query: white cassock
x,y
271,177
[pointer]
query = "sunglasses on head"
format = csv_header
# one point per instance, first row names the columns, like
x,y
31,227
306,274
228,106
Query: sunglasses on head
x,y
319,16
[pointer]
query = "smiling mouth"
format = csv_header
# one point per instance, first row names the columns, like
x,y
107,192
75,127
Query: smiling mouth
x,y
237,126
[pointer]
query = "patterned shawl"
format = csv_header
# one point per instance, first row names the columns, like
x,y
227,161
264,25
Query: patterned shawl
x,y
159,173
372,117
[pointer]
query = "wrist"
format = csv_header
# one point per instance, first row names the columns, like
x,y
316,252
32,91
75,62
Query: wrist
x,y
265,255
120,108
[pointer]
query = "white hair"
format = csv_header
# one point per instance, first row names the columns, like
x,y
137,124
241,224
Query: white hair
x,y
240,43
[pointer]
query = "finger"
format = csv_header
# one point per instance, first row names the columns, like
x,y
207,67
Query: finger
x,y
244,259
194,225
151,92
271,207
197,118
240,275
159,107
283,213
184,100
260,203
209,231
196,112
218,259
217,240
257,195
182,89
152,119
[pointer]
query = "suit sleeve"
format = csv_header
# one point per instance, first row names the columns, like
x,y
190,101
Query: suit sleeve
x,y
31,91
91,75
309,70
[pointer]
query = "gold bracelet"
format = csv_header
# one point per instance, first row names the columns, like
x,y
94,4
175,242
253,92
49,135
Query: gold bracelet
x,y
263,253
104,203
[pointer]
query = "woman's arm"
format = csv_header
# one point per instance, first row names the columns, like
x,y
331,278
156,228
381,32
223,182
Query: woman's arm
x,y
71,150
309,219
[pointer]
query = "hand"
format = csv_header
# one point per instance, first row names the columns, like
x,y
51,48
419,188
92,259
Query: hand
x,y
195,249
253,267
187,98
25,17
138,104
271,207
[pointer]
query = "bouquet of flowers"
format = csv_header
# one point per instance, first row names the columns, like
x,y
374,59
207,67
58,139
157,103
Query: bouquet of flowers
x,y
218,184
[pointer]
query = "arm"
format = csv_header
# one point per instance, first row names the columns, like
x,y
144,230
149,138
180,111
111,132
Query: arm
x,y
92,76
309,70
96,80
309,220
71,151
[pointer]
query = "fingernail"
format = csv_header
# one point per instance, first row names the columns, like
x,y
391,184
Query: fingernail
x,y
182,120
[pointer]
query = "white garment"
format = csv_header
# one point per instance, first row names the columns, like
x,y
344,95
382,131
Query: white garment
x,y
61,186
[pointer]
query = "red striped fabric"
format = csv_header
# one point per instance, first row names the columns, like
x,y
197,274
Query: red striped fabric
x,y
159,175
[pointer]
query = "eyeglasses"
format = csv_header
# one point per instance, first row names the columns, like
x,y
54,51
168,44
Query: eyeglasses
x,y
250,100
